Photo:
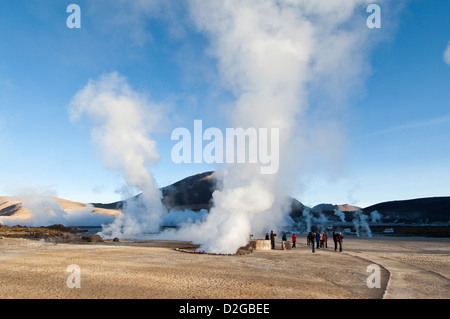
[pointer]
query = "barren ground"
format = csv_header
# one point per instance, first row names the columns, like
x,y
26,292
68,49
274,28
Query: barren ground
x,y
410,268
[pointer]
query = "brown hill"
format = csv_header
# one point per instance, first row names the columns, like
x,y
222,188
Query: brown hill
x,y
14,206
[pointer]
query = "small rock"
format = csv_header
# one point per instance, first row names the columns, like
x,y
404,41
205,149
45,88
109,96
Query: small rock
x,y
92,238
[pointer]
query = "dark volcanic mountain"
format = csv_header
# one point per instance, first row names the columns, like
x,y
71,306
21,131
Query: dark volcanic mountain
x,y
420,210
191,193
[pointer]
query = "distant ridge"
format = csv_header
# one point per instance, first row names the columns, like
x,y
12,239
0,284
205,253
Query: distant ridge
x,y
426,210
195,193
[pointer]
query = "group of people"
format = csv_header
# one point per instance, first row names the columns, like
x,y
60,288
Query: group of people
x,y
320,240
283,238
312,239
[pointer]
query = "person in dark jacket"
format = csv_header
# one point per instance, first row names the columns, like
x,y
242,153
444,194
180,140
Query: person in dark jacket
x,y
318,239
335,239
340,238
272,239
311,238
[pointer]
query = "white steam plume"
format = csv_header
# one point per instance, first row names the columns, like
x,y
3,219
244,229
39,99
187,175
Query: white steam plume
x,y
306,213
123,120
375,216
268,52
340,214
360,221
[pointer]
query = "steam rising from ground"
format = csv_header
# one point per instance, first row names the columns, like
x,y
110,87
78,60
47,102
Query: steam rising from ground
x,y
341,215
269,52
123,120
360,222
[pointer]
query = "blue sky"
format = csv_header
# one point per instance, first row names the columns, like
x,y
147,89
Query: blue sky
x,y
397,125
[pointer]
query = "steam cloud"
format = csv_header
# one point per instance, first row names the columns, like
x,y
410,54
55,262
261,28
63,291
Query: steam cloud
x,y
123,121
341,215
375,216
268,53
360,222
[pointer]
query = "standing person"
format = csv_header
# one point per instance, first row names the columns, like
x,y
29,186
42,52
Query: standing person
x,y
335,239
294,240
311,237
318,239
308,236
340,239
272,239
321,240
325,239
283,241
267,236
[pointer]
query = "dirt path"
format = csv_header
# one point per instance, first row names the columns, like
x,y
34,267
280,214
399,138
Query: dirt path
x,y
417,268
